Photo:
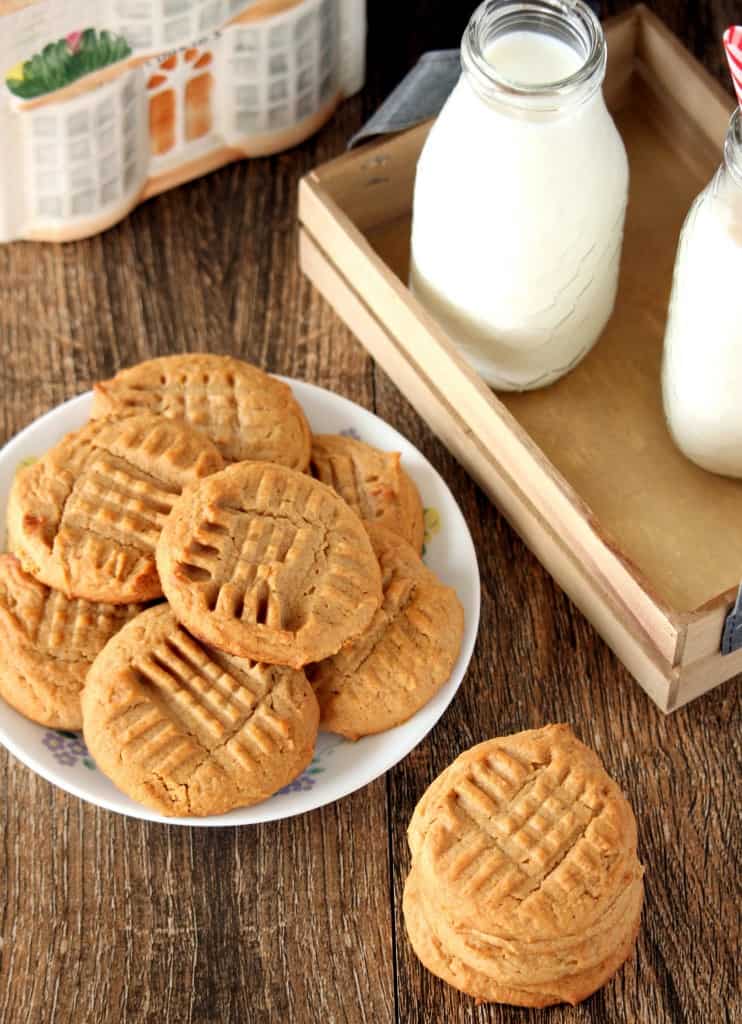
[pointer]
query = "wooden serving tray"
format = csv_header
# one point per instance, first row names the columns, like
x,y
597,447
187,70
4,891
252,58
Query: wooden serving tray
x,y
647,545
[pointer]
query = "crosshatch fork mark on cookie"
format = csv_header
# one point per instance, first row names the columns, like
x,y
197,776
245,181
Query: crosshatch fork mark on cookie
x,y
216,402
198,708
351,481
87,516
513,845
114,498
65,628
265,562
218,411
246,413
237,558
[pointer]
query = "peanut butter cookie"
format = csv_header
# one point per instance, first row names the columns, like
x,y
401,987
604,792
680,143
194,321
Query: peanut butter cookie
x,y
450,968
85,518
188,730
404,657
525,885
269,564
47,644
372,482
245,412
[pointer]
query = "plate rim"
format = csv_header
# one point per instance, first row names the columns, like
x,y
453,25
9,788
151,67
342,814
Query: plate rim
x,y
336,793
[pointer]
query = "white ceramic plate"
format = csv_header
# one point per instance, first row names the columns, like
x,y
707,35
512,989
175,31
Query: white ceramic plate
x,y
339,767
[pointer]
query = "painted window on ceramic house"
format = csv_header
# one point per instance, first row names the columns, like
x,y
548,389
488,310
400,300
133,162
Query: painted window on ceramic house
x,y
284,68
167,23
86,155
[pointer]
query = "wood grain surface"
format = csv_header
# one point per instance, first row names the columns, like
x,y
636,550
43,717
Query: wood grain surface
x,y
105,919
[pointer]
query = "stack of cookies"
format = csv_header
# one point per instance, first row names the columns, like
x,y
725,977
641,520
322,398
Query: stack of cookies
x,y
525,886
291,568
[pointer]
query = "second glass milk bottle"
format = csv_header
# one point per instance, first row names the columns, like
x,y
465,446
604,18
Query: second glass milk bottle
x,y
702,363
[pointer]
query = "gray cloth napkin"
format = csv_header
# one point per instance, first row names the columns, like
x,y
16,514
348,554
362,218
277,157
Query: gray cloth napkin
x,y
731,639
419,96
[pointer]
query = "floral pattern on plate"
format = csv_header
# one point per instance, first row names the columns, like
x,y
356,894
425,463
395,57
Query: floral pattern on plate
x,y
67,748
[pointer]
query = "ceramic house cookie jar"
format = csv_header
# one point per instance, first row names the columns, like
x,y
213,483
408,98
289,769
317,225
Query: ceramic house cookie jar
x,y
107,102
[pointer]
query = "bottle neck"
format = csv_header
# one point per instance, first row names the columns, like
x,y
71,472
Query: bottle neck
x,y
567,22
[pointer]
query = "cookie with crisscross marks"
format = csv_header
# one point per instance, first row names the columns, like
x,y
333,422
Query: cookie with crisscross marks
x,y
47,644
372,482
524,853
245,412
189,730
403,658
563,984
528,834
85,518
267,563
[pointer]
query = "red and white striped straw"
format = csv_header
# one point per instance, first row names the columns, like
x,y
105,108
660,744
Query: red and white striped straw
x,y
733,48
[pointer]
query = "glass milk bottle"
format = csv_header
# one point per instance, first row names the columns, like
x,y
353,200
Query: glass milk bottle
x,y
702,364
520,195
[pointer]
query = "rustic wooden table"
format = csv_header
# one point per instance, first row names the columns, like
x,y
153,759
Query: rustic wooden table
x,y
103,919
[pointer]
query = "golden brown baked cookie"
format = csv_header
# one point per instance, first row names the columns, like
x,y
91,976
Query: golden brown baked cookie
x,y
245,412
450,968
47,644
372,482
404,657
85,518
188,730
269,564
565,964
524,852
535,801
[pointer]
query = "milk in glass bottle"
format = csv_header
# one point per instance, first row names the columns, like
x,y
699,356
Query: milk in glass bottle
x,y
702,362
520,195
